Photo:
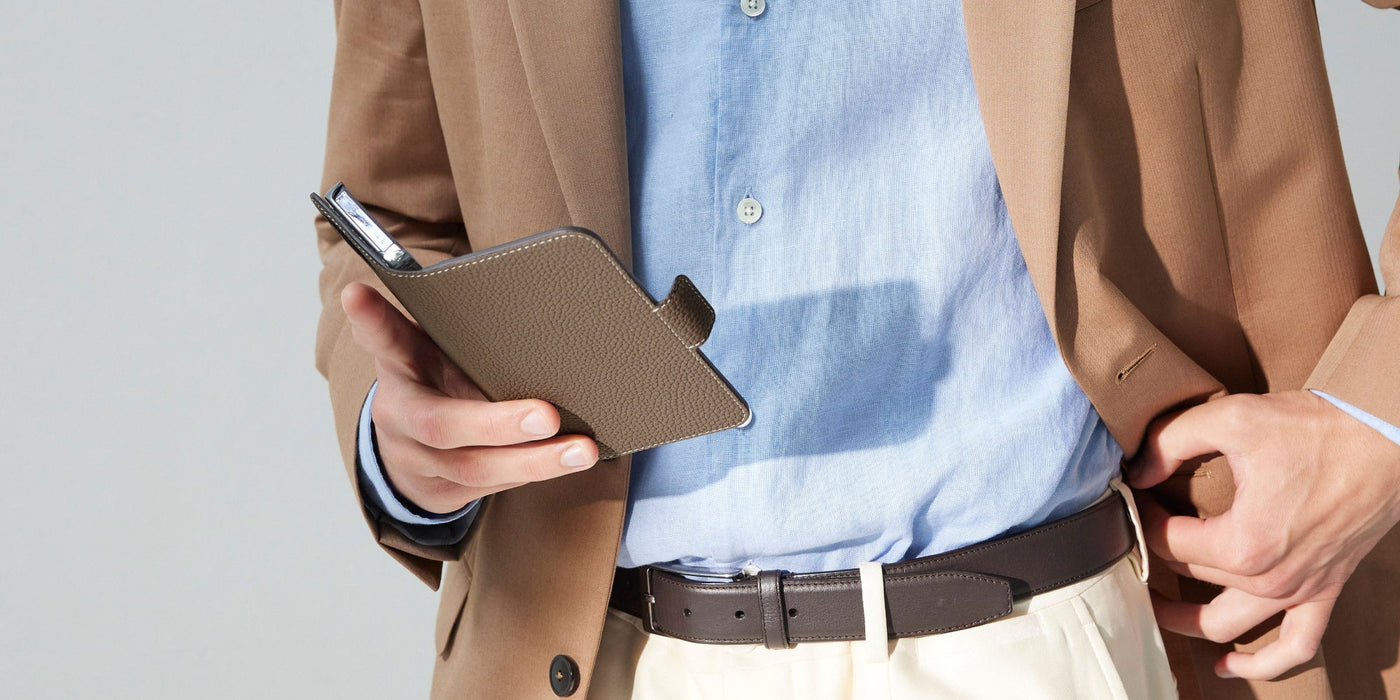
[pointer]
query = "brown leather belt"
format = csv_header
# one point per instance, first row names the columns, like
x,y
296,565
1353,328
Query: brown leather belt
x,y
951,591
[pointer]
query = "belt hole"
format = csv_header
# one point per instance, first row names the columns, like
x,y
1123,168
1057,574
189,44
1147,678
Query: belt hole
x,y
792,612
687,612
738,614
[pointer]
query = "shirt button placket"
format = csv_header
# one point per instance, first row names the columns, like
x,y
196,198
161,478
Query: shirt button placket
x,y
749,209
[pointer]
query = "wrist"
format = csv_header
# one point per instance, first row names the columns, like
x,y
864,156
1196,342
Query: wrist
x,y
1367,442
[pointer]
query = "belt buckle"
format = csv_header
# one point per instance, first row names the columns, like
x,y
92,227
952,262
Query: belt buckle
x,y
648,602
649,599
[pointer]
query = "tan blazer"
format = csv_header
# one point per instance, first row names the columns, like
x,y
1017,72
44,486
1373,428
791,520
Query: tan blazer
x,y
1172,171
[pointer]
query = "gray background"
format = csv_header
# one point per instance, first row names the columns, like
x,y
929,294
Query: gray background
x,y
177,523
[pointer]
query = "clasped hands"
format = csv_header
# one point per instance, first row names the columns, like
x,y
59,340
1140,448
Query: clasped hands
x,y
1316,489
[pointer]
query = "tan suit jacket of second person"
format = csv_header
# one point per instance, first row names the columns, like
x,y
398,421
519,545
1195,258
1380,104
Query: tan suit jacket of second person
x,y
1172,171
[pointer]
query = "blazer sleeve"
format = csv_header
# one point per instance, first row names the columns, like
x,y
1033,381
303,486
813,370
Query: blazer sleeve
x,y
385,142
1361,365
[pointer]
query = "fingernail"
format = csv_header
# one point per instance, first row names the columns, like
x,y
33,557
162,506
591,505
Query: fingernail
x,y
535,423
574,457
1224,673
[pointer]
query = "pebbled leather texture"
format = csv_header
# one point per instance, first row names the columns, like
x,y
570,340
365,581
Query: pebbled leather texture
x,y
930,595
555,316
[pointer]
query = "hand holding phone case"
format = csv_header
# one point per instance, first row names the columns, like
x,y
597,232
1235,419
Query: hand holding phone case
x,y
555,316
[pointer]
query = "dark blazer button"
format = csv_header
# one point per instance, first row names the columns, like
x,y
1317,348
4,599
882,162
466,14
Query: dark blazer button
x,y
563,676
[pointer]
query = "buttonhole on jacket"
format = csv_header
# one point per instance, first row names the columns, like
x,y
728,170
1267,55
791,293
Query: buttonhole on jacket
x,y
1193,469
1123,373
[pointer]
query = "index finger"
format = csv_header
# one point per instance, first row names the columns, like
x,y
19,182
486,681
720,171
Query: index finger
x,y
444,422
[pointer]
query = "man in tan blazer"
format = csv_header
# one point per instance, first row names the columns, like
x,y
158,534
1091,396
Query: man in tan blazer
x,y
1175,180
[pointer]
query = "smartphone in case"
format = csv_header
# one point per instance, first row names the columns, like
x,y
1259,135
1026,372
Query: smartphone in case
x,y
556,316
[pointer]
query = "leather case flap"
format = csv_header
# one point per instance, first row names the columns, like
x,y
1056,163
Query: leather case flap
x,y
687,312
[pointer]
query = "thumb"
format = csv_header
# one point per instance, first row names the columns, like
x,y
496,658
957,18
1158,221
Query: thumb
x,y
396,343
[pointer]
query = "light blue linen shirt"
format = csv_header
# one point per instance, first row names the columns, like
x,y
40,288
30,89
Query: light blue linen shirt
x,y
872,303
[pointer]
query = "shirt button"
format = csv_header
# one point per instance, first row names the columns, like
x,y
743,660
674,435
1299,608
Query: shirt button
x,y
563,676
749,208
752,8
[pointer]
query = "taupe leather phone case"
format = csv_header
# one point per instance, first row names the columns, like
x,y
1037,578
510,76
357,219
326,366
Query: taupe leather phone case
x,y
555,316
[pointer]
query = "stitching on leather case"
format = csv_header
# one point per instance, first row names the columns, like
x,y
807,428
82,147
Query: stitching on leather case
x,y
616,268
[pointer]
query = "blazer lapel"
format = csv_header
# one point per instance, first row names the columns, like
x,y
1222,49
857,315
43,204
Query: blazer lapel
x,y
1020,51
572,55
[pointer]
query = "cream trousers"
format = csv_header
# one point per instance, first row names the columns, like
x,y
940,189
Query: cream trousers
x,y
1093,639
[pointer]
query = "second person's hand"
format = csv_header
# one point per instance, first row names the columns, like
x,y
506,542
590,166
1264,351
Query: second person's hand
x,y
441,442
